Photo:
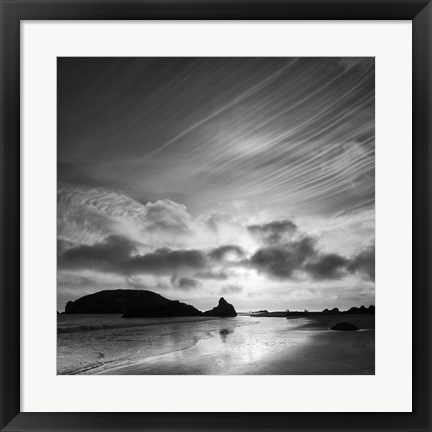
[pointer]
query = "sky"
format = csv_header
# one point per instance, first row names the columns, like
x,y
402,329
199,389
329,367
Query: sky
x,y
196,178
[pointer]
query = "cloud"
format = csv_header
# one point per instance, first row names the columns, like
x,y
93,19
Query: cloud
x,y
109,255
146,281
281,261
212,274
168,216
364,263
63,245
75,280
221,228
90,214
273,232
327,266
167,261
361,64
119,255
216,220
299,257
227,253
231,289
186,284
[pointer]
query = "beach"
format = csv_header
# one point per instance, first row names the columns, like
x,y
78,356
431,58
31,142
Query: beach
x,y
108,344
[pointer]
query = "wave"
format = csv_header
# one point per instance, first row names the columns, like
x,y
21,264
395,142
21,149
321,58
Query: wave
x,y
83,328
145,322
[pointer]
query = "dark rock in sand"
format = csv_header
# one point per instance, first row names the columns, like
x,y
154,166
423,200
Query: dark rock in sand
x,y
223,309
344,327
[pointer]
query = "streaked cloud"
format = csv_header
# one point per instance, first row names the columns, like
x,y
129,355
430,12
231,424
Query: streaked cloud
x,y
199,176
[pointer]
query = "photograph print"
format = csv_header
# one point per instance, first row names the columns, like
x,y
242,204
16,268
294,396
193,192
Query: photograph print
x,y
216,216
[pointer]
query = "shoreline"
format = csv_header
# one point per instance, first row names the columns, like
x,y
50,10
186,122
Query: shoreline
x,y
327,353
310,358
316,350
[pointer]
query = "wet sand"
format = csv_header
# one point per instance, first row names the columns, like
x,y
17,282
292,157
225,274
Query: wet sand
x,y
326,354
269,346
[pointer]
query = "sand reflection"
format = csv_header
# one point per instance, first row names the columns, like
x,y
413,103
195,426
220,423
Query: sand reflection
x,y
223,333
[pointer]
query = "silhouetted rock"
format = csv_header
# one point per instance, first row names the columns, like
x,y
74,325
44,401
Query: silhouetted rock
x,y
260,312
332,311
132,302
171,309
223,309
344,327
362,310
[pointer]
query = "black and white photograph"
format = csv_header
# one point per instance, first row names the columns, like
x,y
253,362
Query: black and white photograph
x,y
215,216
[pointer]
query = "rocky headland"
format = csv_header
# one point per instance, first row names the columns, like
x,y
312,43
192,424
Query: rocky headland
x,y
142,304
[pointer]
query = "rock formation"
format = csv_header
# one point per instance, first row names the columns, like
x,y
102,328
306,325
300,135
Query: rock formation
x,y
131,302
171,309
332,311
362,310
344,326
223,309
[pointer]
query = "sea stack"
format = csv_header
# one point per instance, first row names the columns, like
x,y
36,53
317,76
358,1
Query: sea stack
x,y
222,310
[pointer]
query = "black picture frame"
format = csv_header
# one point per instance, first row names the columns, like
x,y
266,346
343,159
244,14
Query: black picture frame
x,y
13,11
